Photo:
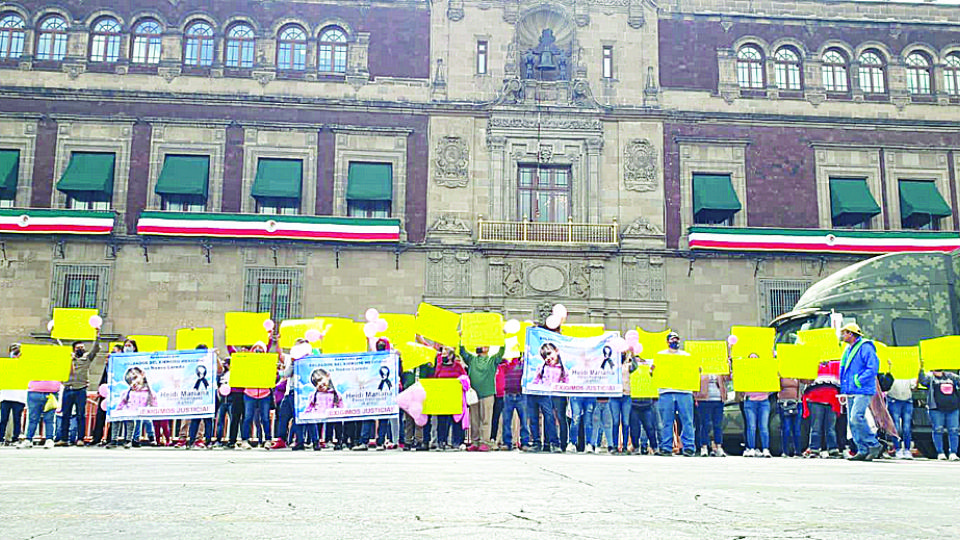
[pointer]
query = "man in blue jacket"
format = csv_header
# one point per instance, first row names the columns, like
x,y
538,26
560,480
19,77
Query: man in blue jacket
x,y
858,381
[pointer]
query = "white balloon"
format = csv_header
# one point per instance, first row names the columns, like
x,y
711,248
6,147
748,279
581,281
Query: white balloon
x,y
553,322
300,350
371,315
560,310
511,327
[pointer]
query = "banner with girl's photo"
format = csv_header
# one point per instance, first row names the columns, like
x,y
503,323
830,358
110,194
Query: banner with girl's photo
x,y
344,387
163,384
561,365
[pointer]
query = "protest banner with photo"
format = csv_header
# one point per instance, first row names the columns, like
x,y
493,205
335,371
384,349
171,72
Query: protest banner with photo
x,y
568,366
169,384
345,387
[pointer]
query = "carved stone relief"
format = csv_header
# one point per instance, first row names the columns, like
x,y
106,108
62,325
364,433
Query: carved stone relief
x,y
640,166
526,278
641,227
448,273
643,278
451,224
453,158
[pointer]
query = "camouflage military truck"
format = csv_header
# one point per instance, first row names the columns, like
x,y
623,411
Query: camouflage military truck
x,y
898,299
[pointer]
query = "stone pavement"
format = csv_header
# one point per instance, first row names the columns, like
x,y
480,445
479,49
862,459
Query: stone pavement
x,y
166,493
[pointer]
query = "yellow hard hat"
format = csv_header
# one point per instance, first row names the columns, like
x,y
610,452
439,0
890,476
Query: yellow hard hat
x,y
853,328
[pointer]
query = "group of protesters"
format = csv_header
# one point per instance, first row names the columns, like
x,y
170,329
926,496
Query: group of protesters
x,y
846,395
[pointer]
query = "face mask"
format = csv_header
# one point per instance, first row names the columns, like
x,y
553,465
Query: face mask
x,y
127,348
78,353
674,345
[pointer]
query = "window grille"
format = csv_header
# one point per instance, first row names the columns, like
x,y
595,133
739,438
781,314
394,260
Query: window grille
x,y
80,286
274,290
778,296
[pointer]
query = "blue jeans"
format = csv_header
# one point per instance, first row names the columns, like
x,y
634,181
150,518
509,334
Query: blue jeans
x,y
620,409
581,408
560,410
71,432
949,422
73,400
789,431
143,425
444,424
602,420
515,402
823,424
388,429
857,419
256,409
14,410
543,405
757,415
195,427
711,421
901,410
644,427
35,403
678,404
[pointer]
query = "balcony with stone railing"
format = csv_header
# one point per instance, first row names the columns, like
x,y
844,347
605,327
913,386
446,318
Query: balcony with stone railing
x,y
539,233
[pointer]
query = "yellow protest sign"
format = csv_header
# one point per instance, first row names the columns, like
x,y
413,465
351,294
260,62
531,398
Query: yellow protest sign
x,y
444,396
253,370
676,372
755,375
940,353
824,341
752,340
344,336
582,330
13,374
711,354
245,328
522,335
73,324
797,361
481,330
150,343
400,327
438,324
47,362
903,362
189,338
511,348
652,342
414,355
641,383
293,329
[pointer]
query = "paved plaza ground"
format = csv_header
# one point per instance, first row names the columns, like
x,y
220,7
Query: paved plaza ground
x,y
166,493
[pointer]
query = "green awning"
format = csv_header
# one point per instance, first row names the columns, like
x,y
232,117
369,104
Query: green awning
x,y
921,197
184,175
278,178
714,198
851,201
88,172
370,182
9,172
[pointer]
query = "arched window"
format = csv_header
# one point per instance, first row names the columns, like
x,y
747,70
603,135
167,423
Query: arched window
x,y
198,44
240,46
52,38
333,50
951,74
834,71
750,67
146,42
871,73
105,41
788,69
292,49
11,36
918,73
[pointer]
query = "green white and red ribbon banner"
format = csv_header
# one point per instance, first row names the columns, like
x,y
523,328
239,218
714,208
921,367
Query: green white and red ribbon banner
x,y
44,221
308,228
820,241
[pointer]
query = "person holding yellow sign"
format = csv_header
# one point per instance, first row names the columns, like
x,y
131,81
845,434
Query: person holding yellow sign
x,y
75,389
677,403
12,403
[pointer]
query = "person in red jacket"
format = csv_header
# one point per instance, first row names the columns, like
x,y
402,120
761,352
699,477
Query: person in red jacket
x,y
449,366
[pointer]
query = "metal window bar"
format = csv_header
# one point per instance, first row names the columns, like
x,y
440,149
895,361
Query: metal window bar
x,y
532,232
778,296
80,286
275,290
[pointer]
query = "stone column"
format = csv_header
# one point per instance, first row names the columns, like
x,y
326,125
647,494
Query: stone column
x,y
593,206
496,146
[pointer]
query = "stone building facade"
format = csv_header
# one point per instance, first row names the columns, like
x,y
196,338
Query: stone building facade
x,y
508,155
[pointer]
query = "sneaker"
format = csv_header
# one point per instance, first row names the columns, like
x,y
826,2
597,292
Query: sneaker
x,y
704,452
861,457
588,449
832,454
200,445
874,452
942,457
278,444
719,452
571,448
473,448
48,444
749,452
217,446
907,454
483,448
295,448
360,448
24,444
61,444
526,448
380,448
463,447
556,449
80,444
766,453
244,445
689,453
953,457
391,446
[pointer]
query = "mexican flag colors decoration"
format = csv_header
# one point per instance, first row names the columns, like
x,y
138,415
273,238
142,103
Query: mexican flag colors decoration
x,y
43,221
306,228
820,241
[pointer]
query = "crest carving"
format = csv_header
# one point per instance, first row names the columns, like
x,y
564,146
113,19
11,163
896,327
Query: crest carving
x,y
452,160
639,166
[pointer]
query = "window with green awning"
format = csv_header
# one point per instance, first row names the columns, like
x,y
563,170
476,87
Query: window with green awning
x,y
714,199
278,179
9,173
851,203
921,205
89,174
184,175
370,182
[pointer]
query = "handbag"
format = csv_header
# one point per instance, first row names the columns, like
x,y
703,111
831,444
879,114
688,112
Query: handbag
x,y
472,397
52,404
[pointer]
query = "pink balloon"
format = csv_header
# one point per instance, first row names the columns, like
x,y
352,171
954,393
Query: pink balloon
x,y
632,336
637,347
619,344
553,322
416,412
103,404
268,325
300,350
104,390
380,325
732,340
224,390
369,330
96,321
313,335
371,315
411,400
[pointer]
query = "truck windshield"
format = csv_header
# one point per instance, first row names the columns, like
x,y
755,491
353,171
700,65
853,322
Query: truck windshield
x,y
787,329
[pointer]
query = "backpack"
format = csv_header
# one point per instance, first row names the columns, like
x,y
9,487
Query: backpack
x,y
886,381
945,395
